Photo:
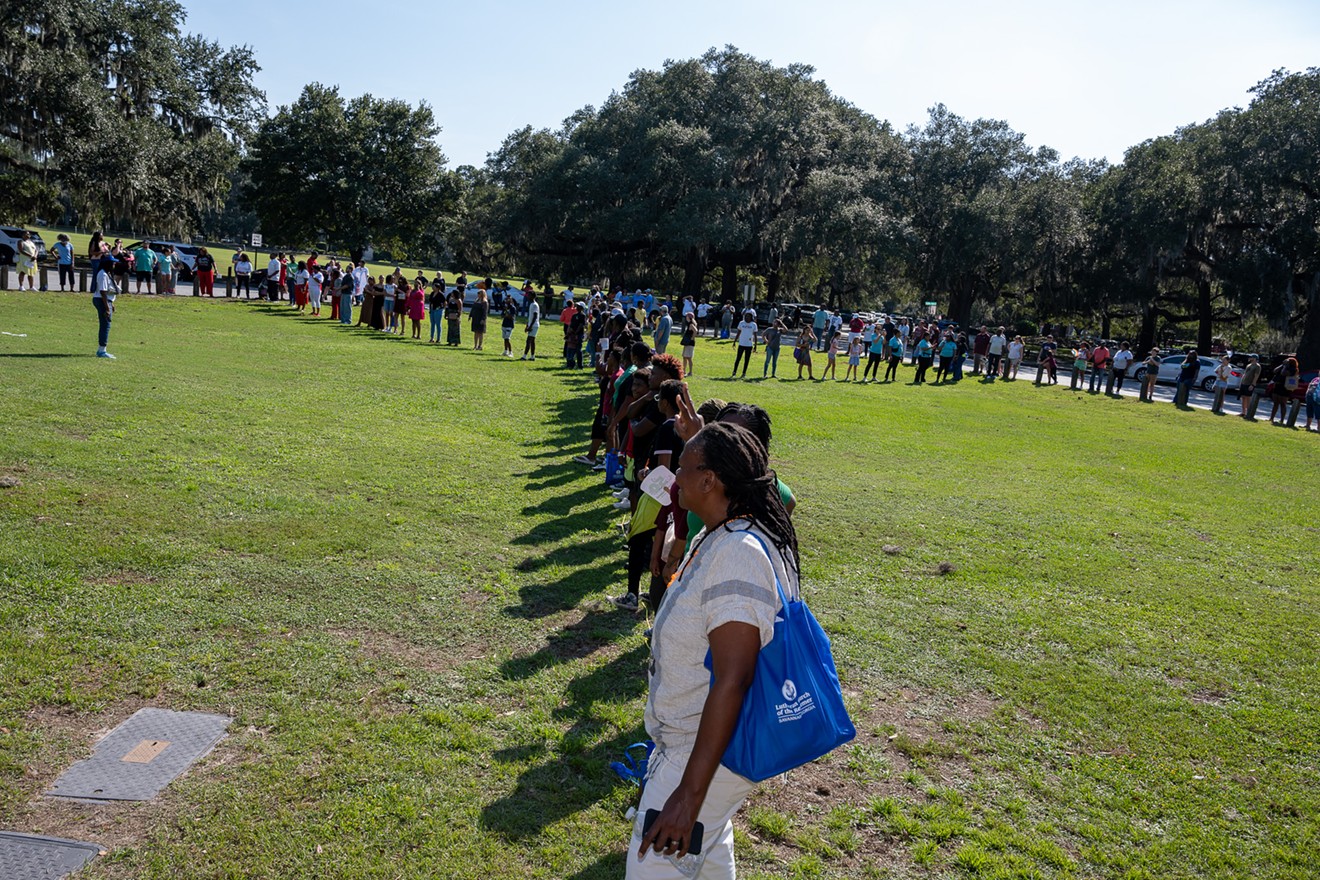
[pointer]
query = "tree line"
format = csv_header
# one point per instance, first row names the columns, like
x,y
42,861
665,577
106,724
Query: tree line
x,y
696,177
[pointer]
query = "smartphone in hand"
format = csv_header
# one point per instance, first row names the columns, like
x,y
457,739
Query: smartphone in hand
x,y
694,837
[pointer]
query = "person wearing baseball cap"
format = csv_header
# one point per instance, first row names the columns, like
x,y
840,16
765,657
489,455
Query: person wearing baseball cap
x,y
104,291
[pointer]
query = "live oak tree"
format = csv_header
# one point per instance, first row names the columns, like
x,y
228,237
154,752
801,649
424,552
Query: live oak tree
x,y
721,163
365,171
116,93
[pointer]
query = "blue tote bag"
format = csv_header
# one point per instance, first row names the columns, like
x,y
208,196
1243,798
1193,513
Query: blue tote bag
x,y
793,713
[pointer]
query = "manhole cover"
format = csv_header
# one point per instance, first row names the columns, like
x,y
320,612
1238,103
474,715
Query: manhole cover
x,y
25,857
141,756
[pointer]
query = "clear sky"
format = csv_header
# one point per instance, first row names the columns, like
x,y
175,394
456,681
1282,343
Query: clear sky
x,y
1089,79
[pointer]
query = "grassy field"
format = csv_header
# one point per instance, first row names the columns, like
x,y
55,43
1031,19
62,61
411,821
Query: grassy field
x,y
376,555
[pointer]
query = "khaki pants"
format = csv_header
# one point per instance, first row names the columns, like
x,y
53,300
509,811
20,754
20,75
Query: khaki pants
x,y
727,792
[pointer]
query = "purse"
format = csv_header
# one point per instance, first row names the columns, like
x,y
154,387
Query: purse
x,y
793,713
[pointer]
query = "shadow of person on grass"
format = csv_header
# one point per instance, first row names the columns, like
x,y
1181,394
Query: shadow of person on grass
x,y
595,630
574,775
43,354
537,600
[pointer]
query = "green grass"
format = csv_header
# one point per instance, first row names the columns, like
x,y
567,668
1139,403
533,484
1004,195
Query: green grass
x,y
375,554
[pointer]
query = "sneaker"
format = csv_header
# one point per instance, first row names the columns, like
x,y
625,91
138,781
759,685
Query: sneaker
x,y
622,504
598,466
532,358
628,602
105,354
621,494
523,358
582,459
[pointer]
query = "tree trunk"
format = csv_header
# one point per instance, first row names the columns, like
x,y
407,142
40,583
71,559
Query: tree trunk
x,y
1308,350
772,283
1106,323
729,283
694,272
1146,336
960,304
1205,323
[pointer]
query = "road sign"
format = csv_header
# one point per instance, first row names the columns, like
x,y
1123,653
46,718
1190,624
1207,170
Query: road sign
x,y
256,239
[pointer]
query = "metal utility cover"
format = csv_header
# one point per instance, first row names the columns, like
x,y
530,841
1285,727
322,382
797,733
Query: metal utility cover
x,y
26,857
141,756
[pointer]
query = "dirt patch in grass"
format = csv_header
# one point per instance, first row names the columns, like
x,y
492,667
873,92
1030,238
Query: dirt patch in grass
x,y
907,736
384,647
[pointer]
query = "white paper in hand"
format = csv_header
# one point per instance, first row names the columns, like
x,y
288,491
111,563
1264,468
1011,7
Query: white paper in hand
x,y
657,483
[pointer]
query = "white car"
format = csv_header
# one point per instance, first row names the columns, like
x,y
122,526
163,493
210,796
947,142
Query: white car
x,y
10,236
186,254
1171,367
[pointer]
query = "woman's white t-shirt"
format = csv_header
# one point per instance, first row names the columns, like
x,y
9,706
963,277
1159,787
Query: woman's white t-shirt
x,y
747,333
726,577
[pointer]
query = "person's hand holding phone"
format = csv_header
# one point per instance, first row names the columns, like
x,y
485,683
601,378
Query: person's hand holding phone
x,y
672,831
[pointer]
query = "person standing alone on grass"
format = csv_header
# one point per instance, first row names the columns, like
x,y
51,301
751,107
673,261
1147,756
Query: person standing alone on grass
x,y
104,291
747,331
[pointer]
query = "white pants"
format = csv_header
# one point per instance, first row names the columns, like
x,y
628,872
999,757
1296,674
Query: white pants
x,y
727,792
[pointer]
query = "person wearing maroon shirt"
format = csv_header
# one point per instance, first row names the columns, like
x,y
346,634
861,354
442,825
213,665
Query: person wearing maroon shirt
x,y
980,350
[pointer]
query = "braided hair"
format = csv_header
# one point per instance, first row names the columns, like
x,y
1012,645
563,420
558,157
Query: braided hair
x,y
749,416
738,458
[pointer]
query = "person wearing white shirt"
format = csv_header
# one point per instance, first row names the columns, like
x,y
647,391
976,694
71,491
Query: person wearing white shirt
x,y
1123,359
998,345
1016,348
273,278
314,282
747,331
360,279
104,291
533,327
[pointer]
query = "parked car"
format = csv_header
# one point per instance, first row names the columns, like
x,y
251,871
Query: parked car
x,y
470,296
186,253
1298,393
1171,367
10,236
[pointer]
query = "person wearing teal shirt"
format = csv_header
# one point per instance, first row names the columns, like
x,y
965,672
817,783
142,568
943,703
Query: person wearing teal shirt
x,y
895,357
874,355
144,264
948,348
165,272
924,356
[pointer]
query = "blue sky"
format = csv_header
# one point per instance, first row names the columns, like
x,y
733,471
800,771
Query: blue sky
x,y
1089,79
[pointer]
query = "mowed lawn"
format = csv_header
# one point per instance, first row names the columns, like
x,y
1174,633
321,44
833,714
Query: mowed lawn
x,y
1078,635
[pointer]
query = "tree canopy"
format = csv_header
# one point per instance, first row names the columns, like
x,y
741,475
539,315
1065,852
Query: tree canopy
x,y
351,172
111,107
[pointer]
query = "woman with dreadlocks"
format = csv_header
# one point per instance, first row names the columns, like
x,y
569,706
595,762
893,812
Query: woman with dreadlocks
x,y
723,603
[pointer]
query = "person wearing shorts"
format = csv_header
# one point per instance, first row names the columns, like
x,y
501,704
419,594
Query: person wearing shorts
x,y
144,265
506,325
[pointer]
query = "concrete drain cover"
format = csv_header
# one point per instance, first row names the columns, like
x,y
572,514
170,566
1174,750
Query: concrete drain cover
x,y
141,756
25,857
